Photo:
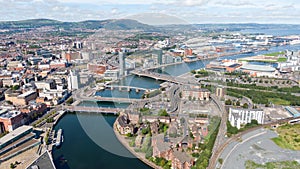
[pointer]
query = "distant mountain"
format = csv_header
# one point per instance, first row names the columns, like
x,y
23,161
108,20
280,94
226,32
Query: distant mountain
x,y
116,24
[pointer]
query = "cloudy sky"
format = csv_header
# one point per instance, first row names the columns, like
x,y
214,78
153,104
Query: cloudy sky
x,y
156,11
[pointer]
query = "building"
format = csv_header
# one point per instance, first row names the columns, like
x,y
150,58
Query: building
x,y
195,93
78,45
181,160
73,80
259,70
123,125
20,99
44,161
96,68
17,141
10,120
111,74
159,56
148,63
239,117
220,92
47,84
122,66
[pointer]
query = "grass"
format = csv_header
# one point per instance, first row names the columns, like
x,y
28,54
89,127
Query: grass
x,y
282,59
274,54
278,101
289,137
271,165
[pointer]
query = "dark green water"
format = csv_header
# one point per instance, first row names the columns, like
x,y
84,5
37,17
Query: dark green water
x,y
87,138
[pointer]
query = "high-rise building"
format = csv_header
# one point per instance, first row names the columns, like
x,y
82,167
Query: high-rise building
x,y
159,56
122,66
220,92
73,80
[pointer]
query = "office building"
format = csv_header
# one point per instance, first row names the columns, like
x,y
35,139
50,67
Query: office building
x,y
73,80
239,117
122,65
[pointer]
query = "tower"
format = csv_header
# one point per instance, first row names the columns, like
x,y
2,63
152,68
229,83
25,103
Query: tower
x,y
159,56
73,80
122,63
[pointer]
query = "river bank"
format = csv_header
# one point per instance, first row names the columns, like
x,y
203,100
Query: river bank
x,y
140,156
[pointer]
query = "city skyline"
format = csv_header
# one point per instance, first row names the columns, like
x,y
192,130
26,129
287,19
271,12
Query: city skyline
x,y
174,11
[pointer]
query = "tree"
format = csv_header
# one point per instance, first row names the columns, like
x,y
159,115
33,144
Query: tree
x,y
228,102
15,87
238,103
245,106
163,112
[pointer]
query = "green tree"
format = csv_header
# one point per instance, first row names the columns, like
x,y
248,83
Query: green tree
x,y
228,102
245,106
163,112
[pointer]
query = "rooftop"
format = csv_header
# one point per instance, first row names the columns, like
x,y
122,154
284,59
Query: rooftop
x,y
260,68
26,94
10,114
43,162
15,133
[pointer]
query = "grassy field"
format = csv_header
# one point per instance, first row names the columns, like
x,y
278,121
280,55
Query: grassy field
x,y
271,165
282,60
289,137
279,101
274,54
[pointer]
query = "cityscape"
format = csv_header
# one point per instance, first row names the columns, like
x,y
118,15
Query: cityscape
x,y
125,92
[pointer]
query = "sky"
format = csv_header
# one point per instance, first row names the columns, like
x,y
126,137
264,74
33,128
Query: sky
x,y
155,11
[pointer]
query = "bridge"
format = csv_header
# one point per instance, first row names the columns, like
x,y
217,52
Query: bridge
x,y
112,99
128,88
93,109
164,77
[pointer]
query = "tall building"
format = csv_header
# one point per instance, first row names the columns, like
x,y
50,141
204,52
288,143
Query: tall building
x,y
73,80
122,66
220,92
238,117
159,56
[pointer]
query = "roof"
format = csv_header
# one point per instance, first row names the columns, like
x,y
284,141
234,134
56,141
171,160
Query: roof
x,y
15,133
294,112
44,162
26,94
260,68
10,114
182,156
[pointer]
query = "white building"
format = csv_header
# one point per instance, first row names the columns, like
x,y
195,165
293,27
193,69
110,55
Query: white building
x,y
73,80
238,117
111,74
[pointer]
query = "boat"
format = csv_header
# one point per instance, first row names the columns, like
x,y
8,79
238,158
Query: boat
x,y
59,138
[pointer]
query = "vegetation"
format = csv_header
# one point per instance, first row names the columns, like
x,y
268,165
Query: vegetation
x,y
200,73
289,136
50,120
234,130
165,164
15,87
206,148
274,54
163,112
265,97
70,101
271,165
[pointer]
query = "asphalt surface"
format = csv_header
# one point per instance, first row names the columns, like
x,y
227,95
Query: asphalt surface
x,y
258,147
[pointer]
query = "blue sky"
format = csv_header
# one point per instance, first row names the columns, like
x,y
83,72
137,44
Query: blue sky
x,y
156,11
